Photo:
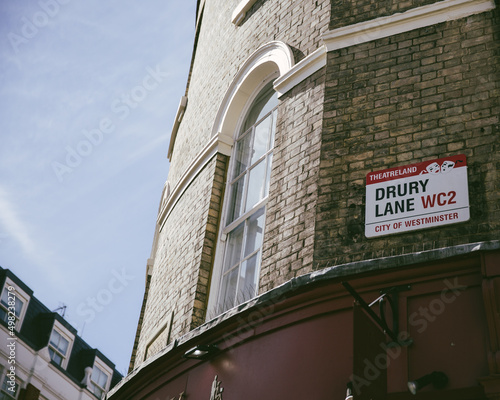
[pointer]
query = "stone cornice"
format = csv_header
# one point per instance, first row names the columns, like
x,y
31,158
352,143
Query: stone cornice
x,y
378,28
178,118
415,18
300,71
241,10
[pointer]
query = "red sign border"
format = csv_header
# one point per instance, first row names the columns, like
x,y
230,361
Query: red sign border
x,y
460,160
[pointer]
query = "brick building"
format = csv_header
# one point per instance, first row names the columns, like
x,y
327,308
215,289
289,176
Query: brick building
x,y
330,221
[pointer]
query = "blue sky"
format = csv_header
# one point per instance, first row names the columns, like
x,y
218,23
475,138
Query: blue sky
x,y
89,91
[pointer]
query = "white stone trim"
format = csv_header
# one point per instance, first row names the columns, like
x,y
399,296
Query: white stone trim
x,y
300,71
241,10
415,18
218,144
274,59
178,118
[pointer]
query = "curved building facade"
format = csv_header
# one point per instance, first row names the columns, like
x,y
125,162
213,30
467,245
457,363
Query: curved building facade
x,y
330,222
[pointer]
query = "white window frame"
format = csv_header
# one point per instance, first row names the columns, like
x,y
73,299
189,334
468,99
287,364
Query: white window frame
x,y
66,334
18,293
217,274
272,60
3,377
98,363
227,228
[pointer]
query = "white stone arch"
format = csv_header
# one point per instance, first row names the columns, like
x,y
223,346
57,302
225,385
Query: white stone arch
x,y
270,61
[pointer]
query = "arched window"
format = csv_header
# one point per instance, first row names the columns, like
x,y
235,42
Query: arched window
x,y
243,220
244,128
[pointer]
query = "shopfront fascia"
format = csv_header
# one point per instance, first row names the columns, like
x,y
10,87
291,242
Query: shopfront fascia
x,y
300,340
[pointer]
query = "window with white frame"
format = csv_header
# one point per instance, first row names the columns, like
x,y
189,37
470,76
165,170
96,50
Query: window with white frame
x,y
244,212
60,344
9,389
13,303
100,379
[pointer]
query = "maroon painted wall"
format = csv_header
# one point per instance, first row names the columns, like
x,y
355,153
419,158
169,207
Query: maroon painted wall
x,y
300,344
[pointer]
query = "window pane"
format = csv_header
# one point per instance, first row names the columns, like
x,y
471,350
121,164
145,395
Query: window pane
x,y
268,173
243,149
96,372
103,380
233,249
5,383
99,377
261,140
19,307
59,343
228,294
63,345
54,338
3,315
263,105
254,232
18,302
270,104
7,392
236,201
273,129
96,390
55,356
248,278
256,185
5,295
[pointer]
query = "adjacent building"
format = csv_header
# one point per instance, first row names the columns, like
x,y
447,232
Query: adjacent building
x,y
330,223
41,356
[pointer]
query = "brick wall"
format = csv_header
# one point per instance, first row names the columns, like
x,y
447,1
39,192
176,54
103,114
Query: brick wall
x,y
209,231
349,12
133,357
184,258
416,96
290,217
177,277
223,48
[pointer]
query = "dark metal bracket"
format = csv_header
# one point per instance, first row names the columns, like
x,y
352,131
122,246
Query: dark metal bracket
x,y
392,296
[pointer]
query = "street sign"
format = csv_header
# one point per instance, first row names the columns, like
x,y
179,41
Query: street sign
x,y
417,196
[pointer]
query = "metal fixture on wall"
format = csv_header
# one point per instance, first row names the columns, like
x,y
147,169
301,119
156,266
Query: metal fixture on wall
x,y
438,379
201,351
348,395
391,294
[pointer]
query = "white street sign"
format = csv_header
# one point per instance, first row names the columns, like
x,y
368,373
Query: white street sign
x,y
417,196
